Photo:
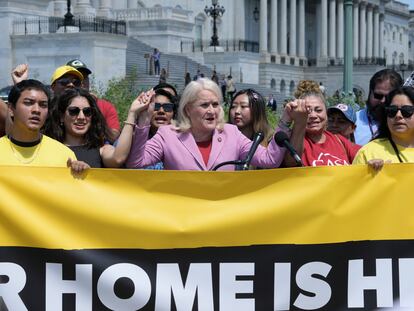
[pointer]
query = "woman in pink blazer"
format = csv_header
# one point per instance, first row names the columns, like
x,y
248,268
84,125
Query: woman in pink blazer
x,y
199,139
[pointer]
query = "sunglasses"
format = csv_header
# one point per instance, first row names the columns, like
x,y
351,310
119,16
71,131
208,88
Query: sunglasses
x,y
167,107
378,96
406,111
67,81
74,111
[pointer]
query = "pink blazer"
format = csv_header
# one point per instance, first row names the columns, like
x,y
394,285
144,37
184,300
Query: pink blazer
x,y
179,151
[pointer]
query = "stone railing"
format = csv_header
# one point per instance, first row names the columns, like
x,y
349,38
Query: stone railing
x,y
226,45
155,13
41,25
397,7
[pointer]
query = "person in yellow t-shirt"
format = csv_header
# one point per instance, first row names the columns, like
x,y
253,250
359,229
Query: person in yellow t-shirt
x,y
25,145
396,134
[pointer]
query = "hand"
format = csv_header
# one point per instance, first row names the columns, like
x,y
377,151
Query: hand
x,y
296,110
145,107
377,164
20,73
77,167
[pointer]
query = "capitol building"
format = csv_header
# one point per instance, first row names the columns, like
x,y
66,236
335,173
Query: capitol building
x,y
267,44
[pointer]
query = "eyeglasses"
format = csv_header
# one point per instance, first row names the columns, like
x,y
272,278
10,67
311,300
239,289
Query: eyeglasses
x,y
378,96
167,107
67,81
74,111
406,111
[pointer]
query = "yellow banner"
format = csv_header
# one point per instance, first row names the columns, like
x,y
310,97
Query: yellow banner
x,y
49,208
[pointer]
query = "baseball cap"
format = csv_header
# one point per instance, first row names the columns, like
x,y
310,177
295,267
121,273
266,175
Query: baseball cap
x,y
346,110
79,65
62,70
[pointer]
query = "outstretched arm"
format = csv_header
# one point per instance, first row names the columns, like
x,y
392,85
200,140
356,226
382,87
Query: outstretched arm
x,y
116,156
295,111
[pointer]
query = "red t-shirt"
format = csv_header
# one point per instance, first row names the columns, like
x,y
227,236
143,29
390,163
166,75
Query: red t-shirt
x,y
336,150
205,149
109,112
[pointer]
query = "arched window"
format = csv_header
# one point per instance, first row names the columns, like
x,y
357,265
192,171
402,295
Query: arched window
x,y
394,58
291,87
401,58
273,83
283,87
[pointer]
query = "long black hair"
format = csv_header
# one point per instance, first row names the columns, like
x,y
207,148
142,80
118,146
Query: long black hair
x,y
98,131
384,131
257,104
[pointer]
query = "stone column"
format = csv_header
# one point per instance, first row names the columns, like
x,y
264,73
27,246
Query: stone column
x,y
273,26
292,28
84,8
59,7
376,32
105,7
362,31
381,36
356,29
340,39
324,28
239,20
263,26
332,28
132,4
369,31
283,27
302,23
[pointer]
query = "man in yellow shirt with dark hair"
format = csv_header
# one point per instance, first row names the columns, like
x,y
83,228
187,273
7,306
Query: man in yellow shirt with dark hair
x,y
25,144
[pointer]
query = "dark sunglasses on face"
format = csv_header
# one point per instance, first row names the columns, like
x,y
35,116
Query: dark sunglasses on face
x,y
167,107
74,111
67,81
406,111
378,96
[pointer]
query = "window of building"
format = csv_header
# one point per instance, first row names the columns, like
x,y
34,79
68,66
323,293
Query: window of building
x,y
273,84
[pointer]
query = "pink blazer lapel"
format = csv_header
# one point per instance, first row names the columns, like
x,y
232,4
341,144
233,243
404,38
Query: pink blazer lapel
x,y
189,143
217,145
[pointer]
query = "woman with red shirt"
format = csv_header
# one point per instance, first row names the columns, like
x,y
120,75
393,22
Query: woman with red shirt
x,y
315,145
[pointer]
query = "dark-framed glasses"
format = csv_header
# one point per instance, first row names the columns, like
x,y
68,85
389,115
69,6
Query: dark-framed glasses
x,y
167,107
406,111
74,111
67,81
378,96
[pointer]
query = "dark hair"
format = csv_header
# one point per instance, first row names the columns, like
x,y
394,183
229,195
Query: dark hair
x,y
164,85
29,84
385,75
171,98
98,131
258,112
384,131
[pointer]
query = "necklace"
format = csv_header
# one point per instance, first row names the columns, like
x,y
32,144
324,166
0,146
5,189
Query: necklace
x,y
21,159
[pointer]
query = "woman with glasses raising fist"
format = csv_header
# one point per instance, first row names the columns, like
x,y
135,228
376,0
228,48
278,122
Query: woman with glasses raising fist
x,y
395,142
77,122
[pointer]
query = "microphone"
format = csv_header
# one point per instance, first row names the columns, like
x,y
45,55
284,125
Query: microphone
x,y
257,139
282,140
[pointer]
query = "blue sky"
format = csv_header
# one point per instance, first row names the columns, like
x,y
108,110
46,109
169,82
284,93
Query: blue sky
x,y
410,2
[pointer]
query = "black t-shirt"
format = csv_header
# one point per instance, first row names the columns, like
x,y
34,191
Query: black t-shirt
x,y
91,156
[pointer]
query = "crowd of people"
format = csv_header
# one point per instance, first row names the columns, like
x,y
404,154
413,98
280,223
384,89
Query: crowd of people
x,y
71,127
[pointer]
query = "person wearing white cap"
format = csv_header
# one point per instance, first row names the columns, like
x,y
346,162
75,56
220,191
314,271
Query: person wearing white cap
x,y
341,120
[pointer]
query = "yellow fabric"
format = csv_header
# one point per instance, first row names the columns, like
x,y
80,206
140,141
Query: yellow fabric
x,y
48,152
382,149
47,207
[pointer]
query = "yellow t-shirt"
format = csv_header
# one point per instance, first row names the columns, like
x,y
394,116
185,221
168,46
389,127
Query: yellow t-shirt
x,y
48,152
382,149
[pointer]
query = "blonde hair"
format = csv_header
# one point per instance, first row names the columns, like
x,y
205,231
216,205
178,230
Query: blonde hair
x,y
190,96
307,87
